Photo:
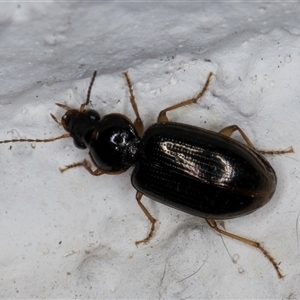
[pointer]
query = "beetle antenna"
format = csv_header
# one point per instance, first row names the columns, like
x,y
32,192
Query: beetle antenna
x,y
84,104
63,136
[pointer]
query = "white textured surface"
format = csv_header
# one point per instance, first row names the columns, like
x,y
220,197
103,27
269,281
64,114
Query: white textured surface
x,y
72,235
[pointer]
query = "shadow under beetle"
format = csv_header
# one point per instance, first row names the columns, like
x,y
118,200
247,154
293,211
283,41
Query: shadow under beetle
x,y
200,172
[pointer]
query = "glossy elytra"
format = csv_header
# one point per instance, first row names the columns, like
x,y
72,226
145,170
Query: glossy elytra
x,y
200,172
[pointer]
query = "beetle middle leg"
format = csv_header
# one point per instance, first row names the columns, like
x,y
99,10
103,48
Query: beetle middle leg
x,y
149,216
228,131
162,117
212,223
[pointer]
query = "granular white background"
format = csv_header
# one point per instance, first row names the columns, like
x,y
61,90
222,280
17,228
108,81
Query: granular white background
x,y
72,235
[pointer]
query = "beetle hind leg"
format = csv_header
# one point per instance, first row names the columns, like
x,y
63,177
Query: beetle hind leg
x,y
212,223
162,117
150,218
228,131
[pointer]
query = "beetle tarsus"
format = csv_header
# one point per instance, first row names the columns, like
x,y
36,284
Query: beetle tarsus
x,y
162,116
86,164
212,223
71,166
150,218
277,152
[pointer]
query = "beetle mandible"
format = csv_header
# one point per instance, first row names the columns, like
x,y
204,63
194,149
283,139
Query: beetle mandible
x,y
197,171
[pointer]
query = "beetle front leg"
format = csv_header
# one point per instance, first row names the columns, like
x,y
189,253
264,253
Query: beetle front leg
x,y
162,117
228,131
212,223
86,164
149,216
138,123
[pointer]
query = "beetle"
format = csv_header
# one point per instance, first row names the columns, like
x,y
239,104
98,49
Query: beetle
x,y
203,173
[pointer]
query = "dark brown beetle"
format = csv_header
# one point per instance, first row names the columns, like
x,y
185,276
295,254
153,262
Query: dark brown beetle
x,y
200,172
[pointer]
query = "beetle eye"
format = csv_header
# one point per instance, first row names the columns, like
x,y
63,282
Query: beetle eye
x,y
92,114
65,121
79,144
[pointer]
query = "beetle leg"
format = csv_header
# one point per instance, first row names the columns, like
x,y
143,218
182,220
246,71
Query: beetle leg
x,y
228,131
162,117
64,106
274,152
149,216
138,123
87,165
212,223
84,104
84,164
